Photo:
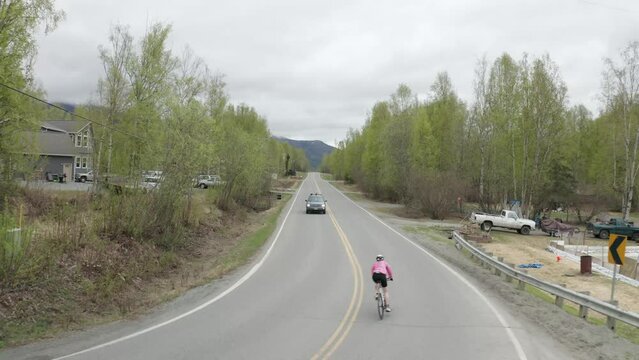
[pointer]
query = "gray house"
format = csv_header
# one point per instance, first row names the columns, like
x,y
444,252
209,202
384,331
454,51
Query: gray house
x,y
65,147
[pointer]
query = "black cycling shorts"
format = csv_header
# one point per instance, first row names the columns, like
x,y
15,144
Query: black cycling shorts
x,y
380,278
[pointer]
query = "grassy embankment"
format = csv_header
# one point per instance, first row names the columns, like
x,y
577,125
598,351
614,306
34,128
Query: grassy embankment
x,y
66,274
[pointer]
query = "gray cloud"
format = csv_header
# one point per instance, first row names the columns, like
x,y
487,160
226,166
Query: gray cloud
x,y
315,69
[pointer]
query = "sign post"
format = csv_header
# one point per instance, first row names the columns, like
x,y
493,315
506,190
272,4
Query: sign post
x,y
616,256
614,279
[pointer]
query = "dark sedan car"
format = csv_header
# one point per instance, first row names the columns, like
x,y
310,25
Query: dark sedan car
x,y
316,203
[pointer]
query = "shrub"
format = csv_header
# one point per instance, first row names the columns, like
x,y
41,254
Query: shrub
x,y
15,243
158,216
436,194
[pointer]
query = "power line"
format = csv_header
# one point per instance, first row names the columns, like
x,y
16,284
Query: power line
x,y
69,112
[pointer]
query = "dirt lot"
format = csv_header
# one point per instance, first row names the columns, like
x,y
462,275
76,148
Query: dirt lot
x,y
586,340
518,249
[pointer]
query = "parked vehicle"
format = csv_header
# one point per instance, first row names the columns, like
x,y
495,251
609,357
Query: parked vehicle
x,y
150,183
204,181
554,227
617,226
507,219
153,173
88,176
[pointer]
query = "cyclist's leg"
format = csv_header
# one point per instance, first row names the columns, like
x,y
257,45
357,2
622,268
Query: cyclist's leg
x,y
377,281
386,296
384,284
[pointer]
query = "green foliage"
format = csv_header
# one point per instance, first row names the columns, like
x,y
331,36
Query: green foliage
x,y
446,115
241,143
161,112
518,140
127,215
15,244
19,21
171,114
403,143
621,94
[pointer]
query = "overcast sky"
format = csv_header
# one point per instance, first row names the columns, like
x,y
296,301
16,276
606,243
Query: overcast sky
x,y
314,69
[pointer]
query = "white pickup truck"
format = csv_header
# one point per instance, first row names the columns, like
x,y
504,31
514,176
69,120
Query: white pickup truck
x,y
508,219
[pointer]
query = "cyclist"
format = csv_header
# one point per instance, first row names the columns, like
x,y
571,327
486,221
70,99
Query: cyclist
x,y
381,271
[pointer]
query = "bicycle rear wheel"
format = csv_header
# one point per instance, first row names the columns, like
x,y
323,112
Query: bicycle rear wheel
x,y
380,305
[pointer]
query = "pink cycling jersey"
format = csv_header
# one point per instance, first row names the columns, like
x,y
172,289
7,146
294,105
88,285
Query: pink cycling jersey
x,y
382,267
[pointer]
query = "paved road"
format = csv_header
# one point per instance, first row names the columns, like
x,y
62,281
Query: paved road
x,y
311,296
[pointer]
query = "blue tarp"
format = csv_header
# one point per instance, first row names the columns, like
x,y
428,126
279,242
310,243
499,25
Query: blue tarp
x,y
530,266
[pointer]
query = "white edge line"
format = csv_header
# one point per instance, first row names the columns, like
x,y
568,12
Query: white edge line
x,y
237,284
511,335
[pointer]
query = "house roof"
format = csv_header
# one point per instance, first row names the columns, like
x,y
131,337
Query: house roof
x,y
53,143
49,127
68,126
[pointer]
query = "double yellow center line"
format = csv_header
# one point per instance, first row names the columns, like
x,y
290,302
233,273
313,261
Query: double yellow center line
x,y
348,320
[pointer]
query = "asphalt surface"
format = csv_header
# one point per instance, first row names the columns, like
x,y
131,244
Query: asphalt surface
x,y
310,295
50,185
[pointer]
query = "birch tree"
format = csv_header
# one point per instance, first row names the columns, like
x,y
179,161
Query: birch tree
x,y
149,72
113,89
621,93
544,114
481,125
373,156
504,111
446,115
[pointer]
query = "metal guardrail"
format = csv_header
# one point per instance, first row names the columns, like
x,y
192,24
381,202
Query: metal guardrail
x,y
602,307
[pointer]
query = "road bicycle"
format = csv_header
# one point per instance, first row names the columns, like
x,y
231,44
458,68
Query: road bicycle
x,y
381,301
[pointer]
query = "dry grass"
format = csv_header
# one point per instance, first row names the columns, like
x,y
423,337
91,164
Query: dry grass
x,y
82,275
520,249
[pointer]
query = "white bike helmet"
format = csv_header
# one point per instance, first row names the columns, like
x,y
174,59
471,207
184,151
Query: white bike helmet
x,y
379,257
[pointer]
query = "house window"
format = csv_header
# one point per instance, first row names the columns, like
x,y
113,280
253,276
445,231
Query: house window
x,y
78,140
85,139
81,162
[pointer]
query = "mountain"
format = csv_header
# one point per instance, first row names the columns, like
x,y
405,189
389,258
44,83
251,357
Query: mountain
x,y
314,149
66,106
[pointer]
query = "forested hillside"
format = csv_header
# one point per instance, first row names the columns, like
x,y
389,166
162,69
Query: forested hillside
x,y
518,139
314,150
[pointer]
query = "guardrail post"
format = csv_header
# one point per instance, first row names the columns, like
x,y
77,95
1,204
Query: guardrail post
x,y
508,277
481,249
486,264
497,271
583,310
559,301
522,284
611,322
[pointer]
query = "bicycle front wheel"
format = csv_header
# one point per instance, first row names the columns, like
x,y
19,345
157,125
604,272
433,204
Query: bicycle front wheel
x,y
380,306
